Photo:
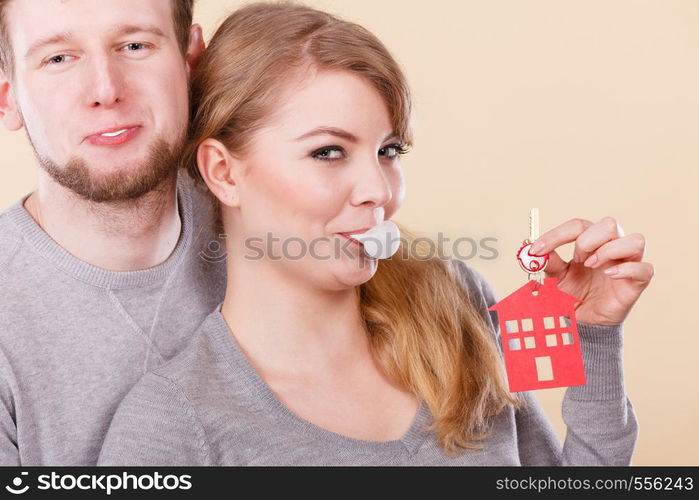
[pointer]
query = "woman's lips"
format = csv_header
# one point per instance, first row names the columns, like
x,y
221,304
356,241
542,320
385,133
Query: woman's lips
x,y
114,137
348,235
352,240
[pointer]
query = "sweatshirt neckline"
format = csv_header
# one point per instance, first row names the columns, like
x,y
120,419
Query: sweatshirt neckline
x,y
230,350
47,247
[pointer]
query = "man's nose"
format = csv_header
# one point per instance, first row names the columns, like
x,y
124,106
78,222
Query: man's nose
x,y
372,185
104,82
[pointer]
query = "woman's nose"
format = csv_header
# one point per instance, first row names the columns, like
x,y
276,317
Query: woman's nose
x,y
371,185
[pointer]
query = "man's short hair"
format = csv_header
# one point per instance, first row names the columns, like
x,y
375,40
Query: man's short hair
x,y
181,16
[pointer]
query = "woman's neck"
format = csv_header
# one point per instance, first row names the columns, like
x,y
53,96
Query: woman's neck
x,y
287,327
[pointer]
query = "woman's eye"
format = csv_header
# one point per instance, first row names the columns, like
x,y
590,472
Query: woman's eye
x,y
328,153
393,150
389,151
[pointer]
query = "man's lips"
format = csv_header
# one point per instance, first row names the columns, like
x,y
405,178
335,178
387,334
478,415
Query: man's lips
x,y
114,136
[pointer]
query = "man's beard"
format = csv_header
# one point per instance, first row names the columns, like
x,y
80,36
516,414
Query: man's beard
x,y
159,165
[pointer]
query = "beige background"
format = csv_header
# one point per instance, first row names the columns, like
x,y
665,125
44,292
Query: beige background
x,y
582,108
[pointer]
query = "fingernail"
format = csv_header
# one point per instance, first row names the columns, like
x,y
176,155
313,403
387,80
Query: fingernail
x,y
537,247
611,271
591,260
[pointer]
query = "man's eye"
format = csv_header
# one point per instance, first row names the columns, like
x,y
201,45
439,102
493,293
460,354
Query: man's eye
x,y
57,59
328,153
134,47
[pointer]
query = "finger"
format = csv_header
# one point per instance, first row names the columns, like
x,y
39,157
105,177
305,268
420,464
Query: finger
x,y
601,232
559,235
629,248
640,272
555,266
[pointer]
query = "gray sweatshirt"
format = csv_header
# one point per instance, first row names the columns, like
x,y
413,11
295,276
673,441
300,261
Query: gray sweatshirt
x,y
209,406
75,338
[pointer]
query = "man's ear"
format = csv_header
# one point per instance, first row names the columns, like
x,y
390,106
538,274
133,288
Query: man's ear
x,y
195,48
9,113
220,170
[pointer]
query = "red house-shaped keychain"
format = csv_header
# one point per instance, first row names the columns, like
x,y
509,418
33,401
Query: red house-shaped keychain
x,y
540,337
538,330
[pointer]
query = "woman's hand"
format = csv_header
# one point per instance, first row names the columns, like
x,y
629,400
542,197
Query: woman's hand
x,y
606,272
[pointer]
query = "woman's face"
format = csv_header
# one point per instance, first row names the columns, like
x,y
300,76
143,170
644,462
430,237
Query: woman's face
x,y
326,164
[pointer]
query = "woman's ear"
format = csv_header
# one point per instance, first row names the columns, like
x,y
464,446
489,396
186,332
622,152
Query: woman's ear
x,y
9,113
220,170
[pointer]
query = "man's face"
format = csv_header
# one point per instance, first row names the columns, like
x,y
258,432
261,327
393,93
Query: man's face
x,y
101,86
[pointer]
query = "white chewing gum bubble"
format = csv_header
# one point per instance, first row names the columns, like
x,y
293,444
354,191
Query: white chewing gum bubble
x,y
381,241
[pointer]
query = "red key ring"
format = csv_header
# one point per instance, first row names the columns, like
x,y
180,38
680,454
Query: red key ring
x,y
531,263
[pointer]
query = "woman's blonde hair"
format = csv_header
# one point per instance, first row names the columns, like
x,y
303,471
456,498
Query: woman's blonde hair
x,y
424,328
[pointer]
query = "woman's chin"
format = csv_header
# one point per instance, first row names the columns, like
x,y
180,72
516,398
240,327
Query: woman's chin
x,y
351,273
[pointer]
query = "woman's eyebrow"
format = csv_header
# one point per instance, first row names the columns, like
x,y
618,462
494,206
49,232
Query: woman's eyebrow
x,y
337,132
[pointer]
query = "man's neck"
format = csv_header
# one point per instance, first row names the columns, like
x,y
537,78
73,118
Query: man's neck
x,y
123,236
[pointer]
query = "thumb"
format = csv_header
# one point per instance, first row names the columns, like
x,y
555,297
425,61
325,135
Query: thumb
x,y
555,266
